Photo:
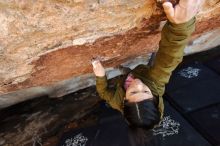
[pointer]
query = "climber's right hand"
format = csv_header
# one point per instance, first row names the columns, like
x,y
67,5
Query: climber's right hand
x,y
98,69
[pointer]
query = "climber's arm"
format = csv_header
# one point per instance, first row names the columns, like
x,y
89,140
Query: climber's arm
x,y
174,38
102,86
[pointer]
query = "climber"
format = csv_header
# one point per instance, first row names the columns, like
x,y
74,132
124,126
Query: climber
x,y
138,94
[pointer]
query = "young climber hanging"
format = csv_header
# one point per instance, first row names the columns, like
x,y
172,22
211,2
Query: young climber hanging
x,y
138,95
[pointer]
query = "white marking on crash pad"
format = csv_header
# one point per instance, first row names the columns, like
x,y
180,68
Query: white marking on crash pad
x,y
167,127
78,140
189,72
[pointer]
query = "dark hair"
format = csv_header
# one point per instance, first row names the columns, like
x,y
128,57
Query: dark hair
x,y
140,137
144,114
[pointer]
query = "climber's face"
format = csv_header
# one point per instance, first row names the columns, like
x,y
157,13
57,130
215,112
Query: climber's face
x,y
138,91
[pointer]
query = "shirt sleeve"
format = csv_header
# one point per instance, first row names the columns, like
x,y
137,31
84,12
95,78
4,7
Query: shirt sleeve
x,y
174,38
109,95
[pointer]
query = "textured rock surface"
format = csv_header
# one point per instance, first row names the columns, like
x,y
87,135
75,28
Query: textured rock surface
x,y
46,46
41,121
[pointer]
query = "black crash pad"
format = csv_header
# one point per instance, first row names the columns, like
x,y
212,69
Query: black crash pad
x,y
186,74
109,131
208,122
174,130
112,131
197,95
214,64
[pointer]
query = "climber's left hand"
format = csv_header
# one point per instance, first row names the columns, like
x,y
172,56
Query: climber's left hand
x,y
183,11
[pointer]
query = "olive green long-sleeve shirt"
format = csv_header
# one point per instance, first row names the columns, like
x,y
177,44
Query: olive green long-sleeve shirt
x,y
174,38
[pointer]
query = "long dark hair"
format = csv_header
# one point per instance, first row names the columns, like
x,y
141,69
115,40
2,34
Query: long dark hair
x,y
143,114
142,117
140,136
